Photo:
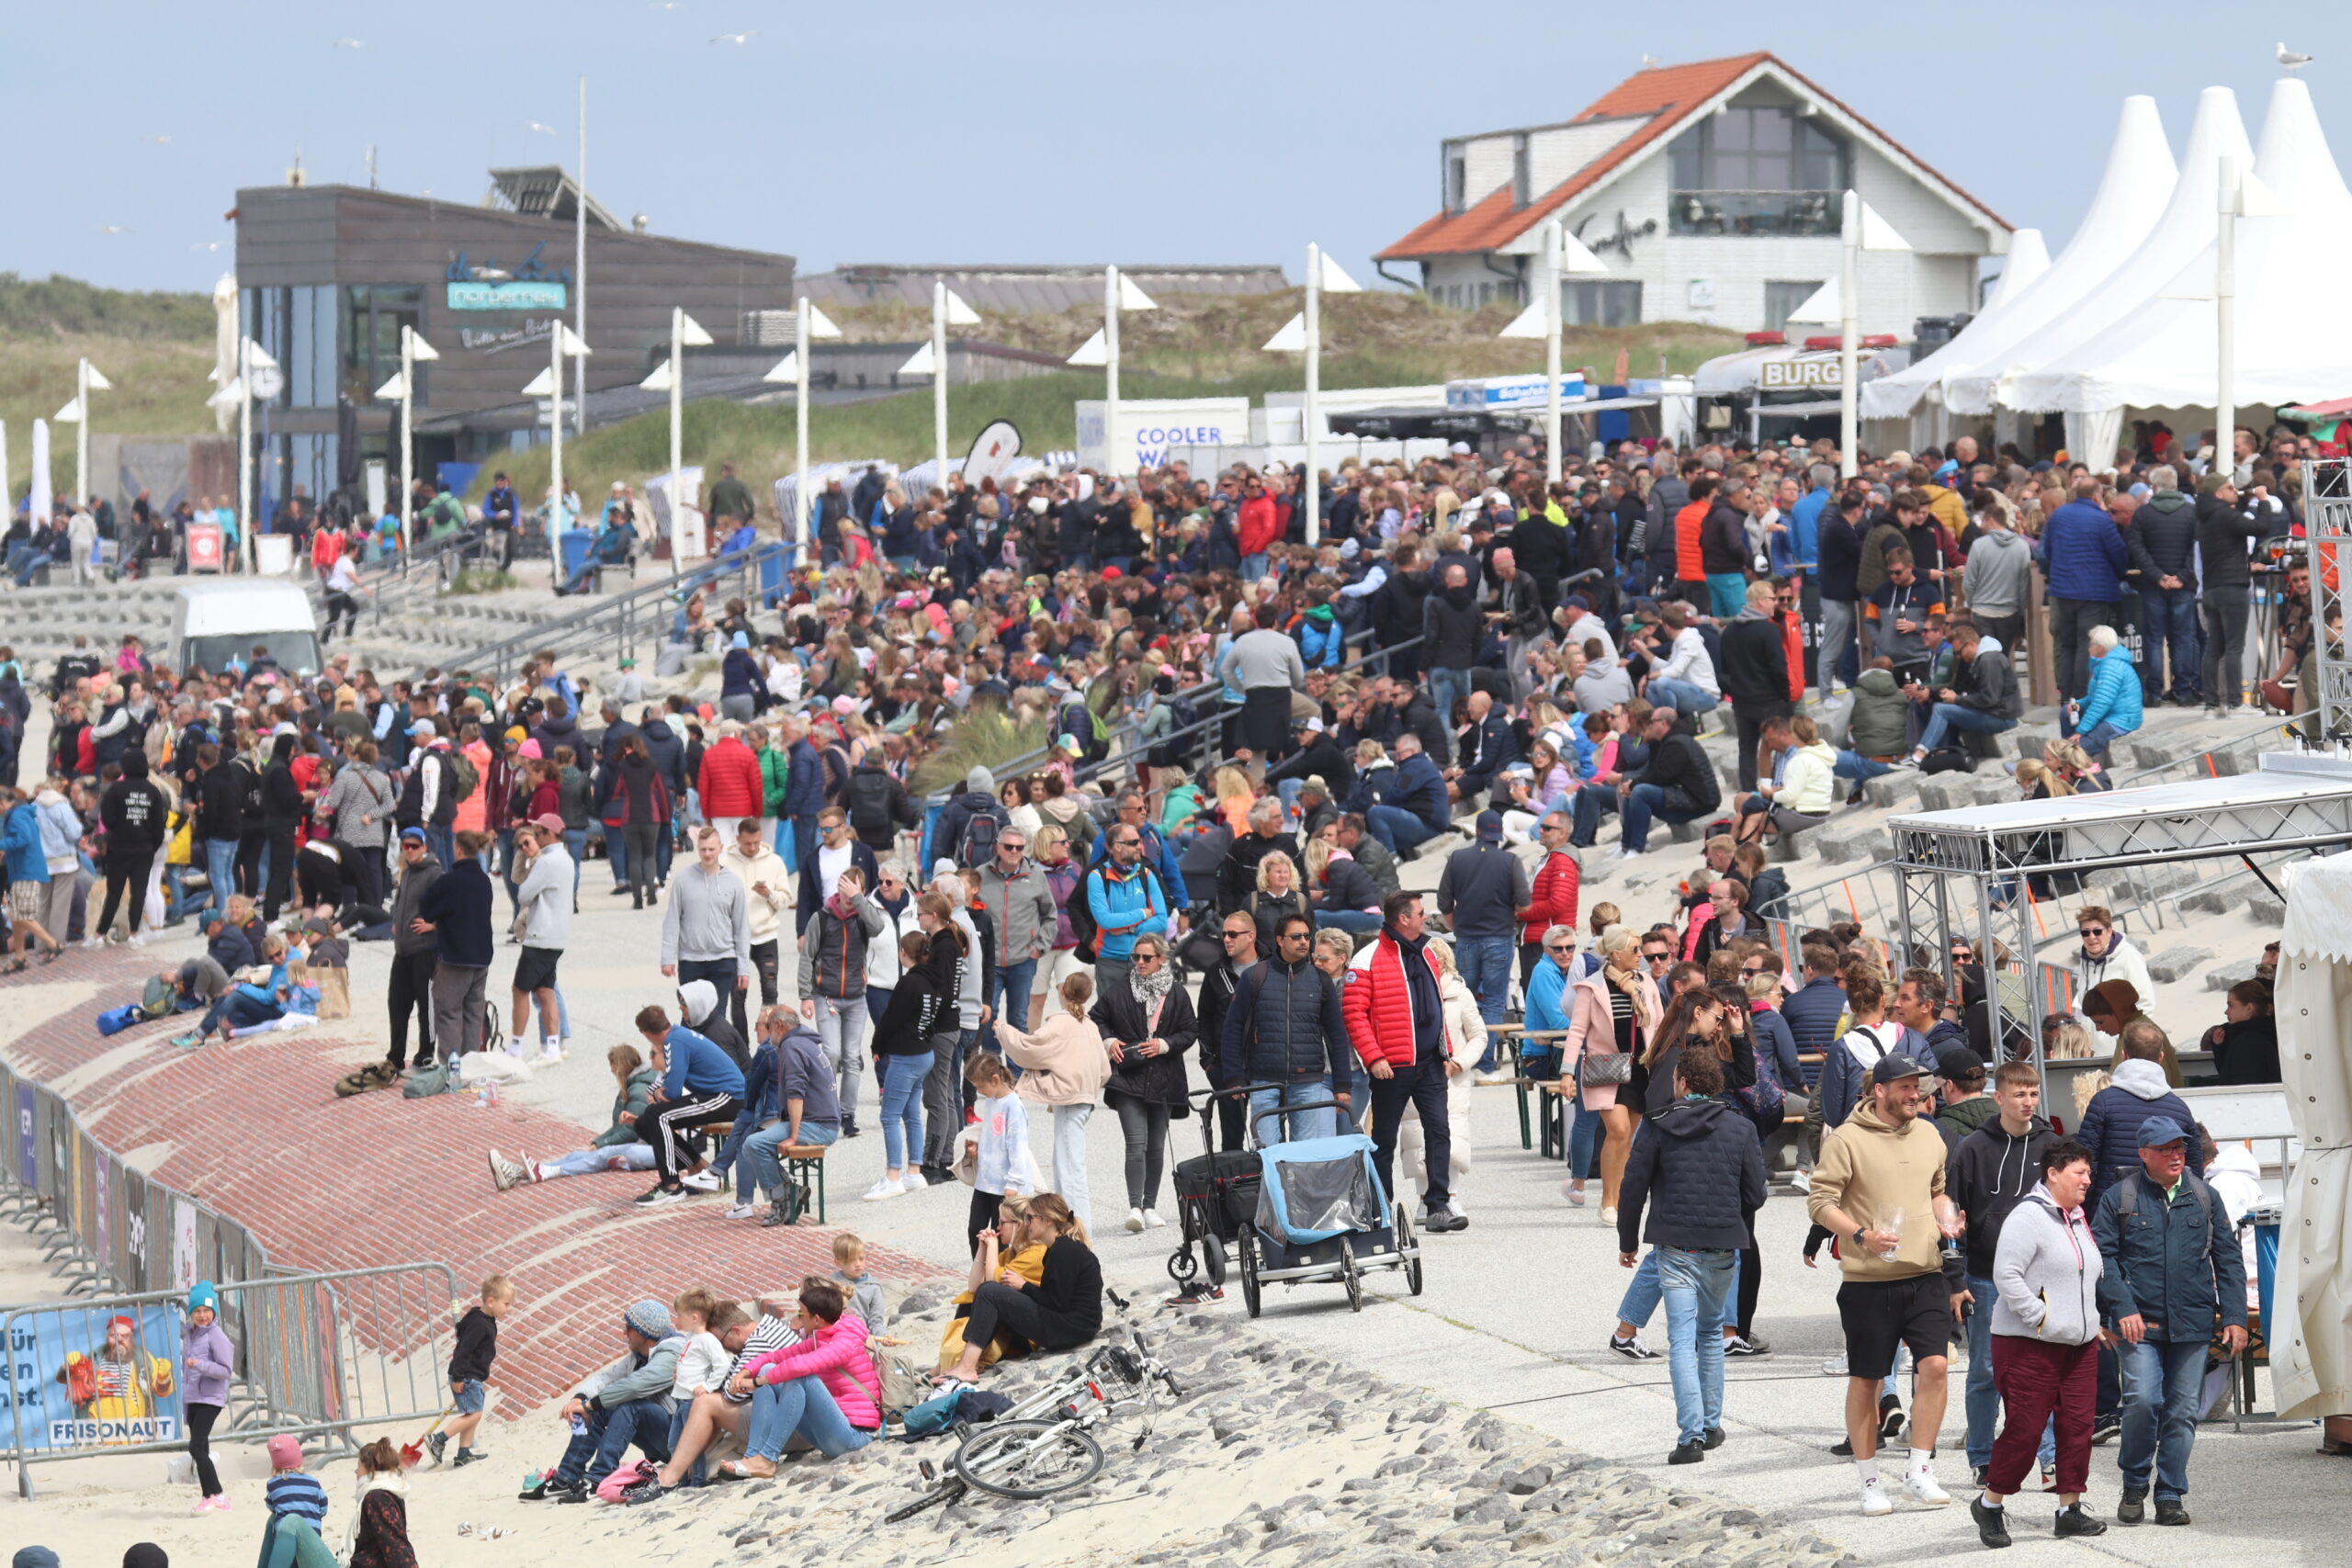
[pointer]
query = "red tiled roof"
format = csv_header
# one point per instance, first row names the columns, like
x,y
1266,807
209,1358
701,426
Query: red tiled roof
x,y
1668,96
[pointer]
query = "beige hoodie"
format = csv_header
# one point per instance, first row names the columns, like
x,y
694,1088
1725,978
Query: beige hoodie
x,y
1870,1170
1066,1061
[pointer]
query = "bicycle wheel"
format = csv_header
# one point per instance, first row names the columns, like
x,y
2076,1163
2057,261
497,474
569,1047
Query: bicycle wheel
x,y
1247,1243
1029,1459
1353,1276
1410,1246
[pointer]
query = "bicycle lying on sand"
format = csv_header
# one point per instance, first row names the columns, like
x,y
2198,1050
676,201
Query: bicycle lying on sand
x,y
1046,1444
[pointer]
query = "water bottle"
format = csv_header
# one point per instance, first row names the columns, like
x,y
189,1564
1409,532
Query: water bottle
x,y
490,1087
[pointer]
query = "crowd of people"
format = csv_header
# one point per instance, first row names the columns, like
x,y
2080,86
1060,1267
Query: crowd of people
x,y
1244,735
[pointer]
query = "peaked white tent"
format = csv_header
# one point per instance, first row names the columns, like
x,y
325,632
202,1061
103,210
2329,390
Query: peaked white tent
x,y
2293,332
1893,397
2187,229
2311,1345
2131,195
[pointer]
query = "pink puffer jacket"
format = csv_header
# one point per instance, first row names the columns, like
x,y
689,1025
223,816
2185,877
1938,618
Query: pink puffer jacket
x,y
838,1356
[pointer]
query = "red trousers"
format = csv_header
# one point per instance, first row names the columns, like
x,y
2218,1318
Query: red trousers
x,y
2036,1380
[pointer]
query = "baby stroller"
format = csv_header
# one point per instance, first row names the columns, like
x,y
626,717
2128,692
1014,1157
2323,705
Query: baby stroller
x,y
1322,1216
1217,1197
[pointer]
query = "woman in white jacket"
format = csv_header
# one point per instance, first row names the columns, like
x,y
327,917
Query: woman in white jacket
x,y
2045,1342
1802,797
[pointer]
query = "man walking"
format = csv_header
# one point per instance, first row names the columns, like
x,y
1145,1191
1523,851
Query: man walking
x,y
1284,1027
2173,1267
1878,1190
1395,1020
761,870
706,922
1992,1172
457,908
2083,556
543,901
1481,890
1021,909
1125,900
1701,1161
1239,936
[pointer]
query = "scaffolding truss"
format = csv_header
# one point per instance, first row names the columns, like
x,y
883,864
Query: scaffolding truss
x,y
2327,533
1969,872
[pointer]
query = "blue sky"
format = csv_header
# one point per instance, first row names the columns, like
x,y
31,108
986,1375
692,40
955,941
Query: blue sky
x,y
1041,131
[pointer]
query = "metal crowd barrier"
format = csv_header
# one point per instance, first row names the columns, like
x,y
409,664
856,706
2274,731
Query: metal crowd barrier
x,y
317,1355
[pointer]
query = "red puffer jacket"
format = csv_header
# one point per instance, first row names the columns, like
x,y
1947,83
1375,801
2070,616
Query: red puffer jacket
x,y
1554,900
729,781
1259,525
1379,1004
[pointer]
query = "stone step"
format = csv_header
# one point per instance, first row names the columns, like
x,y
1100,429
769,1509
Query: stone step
x,y
2175,962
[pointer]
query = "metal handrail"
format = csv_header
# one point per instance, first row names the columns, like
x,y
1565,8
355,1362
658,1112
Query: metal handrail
x,y
612,624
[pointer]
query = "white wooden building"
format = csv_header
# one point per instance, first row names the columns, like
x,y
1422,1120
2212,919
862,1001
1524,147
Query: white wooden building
x,y
1712,193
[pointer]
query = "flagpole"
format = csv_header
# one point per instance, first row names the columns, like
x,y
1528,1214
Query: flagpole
x,y
803,502
1313,420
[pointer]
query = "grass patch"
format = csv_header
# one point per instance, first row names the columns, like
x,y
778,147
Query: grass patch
x,y
483,580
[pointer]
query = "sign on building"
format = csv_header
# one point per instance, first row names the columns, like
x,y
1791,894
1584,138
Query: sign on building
x,y
1150,427
1810,374
510,296
1510,391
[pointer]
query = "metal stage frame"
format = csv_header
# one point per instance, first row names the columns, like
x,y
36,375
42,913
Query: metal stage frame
x,y
1964,873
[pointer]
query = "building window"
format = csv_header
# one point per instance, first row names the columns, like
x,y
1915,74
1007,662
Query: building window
x,y
373,316
1521,175
1759,170
1597,304
1781,300
1457,181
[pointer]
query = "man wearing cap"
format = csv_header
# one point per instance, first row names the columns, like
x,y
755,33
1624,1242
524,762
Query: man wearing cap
x,y
2172,1269
1878,1190
1319,755
543,919
626,1402
414,952
429,794
1481,891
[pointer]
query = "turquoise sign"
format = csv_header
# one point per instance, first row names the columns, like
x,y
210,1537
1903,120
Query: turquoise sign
x,y
510,296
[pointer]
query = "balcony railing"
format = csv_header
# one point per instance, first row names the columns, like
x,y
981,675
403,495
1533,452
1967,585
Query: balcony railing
x,y
1799,214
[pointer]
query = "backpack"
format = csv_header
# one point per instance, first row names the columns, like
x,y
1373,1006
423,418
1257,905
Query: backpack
x,y
1081,913
2127,1202
1765,1101
1171,753
977,844
1948,760
248,792
464,777
905,1384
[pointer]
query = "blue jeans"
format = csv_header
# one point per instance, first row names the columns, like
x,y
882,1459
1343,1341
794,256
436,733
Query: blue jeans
x,y
1696,1285
2161,1380
1013,983
1585,1134
1445,686
1356,922
575,843
1945,718
1684,696
1854,765
1641,803
1486,962
2096,738
2168,617
1985,1400
802,1407
677,1430
1397,829
763,1166
902,1109
595,1452
444,845
1593,800
1253,567
1292,1125
220,871
1643,1296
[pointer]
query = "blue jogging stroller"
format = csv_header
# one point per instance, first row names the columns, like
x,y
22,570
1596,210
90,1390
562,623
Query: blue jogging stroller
x,y
1322,1217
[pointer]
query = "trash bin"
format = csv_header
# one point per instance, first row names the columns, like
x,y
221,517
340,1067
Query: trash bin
x,y
772,566
579,545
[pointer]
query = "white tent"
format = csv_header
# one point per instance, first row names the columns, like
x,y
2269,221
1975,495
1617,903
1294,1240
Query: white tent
x,y
2311,1346
2131,195
2294,326
2186,230
1893,397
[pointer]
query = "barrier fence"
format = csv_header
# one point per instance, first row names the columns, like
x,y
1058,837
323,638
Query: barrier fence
x,y
316,1355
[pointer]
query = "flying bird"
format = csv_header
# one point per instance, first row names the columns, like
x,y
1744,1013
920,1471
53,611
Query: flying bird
x,y
737,37
159,141
549,130
206,245
665,4
112,228
348,43
2291,61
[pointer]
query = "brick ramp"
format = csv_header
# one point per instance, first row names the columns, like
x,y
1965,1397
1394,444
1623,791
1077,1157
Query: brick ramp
x,y
253,1128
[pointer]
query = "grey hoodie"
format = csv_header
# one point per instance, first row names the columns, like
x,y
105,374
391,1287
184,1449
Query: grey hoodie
x,y
2046,1271
1997,563
545,898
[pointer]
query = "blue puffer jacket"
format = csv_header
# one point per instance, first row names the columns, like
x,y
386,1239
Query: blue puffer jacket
x,y
2167,1262
1125,905
2114,694
1285,1022
2110,1128
20,844
1419,787
2083,554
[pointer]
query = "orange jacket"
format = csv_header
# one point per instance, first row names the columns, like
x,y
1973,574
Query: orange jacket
x,y
1690,565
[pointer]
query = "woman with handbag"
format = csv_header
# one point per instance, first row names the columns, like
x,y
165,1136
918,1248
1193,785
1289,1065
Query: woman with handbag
x,y
1615,1015
1147,1025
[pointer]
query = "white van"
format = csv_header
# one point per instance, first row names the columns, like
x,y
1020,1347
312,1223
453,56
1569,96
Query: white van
x,y
218,623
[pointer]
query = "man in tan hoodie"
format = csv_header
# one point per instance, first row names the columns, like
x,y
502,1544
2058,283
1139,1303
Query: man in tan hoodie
x,y
1878,1190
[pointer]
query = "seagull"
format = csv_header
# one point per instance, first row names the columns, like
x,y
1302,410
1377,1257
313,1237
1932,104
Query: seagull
x,y
665,4
348,43
112,228
206,245
549,130
2291,61
159,141
737,37
1649,62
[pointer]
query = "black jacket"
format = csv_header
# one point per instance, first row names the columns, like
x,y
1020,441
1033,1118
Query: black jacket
x,y
1454,623
1155,1080
1990,1174
1723,539
1320,758
134,811
1396,613
1754,669
1237,877
459,906
1284,1022
2163,539
1676,762
1701,1171
1988,684
2223,534
1069,1296
878,806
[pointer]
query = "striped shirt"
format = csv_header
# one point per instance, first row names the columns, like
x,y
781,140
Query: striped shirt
x,y
292,1491
767,1333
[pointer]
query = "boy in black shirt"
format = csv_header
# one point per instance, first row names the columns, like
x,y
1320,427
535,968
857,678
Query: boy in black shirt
x,y
470,1366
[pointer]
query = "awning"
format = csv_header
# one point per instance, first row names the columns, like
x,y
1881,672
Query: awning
x,y
1454,425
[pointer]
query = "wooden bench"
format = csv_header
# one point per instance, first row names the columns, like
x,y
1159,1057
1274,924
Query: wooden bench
x,y
803,1164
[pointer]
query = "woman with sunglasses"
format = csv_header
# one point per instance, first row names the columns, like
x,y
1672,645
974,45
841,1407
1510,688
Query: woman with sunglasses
x,y
1148,1024
1614,1012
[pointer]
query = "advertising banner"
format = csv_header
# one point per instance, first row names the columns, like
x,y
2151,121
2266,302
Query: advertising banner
x,y
86,1379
